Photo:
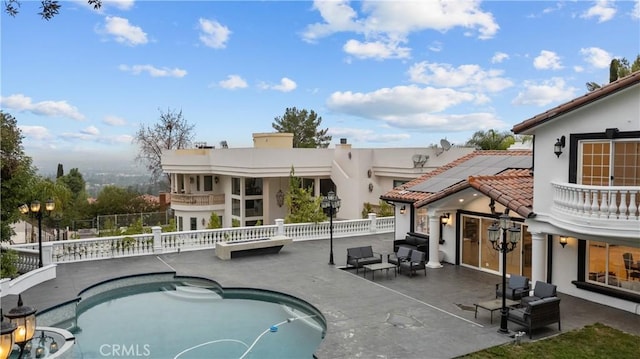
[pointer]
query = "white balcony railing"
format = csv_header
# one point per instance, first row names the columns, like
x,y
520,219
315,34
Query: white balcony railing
x,y
197,199
157,243
597,202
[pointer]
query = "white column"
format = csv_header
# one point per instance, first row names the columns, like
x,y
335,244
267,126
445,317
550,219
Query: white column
x,y
372,222
280,227
47,253
434,237
157,239
538,257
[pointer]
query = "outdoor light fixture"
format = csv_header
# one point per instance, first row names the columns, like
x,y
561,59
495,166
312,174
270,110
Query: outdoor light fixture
x,y
24,318
216,179
444,219
558,146
6,337
508,227
403,209
280,198
332,202
563,241
35,207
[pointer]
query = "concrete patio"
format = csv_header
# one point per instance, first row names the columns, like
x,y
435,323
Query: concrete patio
x,y
393,317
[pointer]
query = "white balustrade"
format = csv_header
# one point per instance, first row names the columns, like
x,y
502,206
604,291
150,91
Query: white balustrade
x,y
605,202
76,250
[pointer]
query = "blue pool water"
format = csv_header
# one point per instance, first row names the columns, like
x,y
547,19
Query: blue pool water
x,y
183,320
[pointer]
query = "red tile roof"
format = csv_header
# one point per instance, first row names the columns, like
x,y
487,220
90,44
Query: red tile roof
x,y
578,102
419,199
512,188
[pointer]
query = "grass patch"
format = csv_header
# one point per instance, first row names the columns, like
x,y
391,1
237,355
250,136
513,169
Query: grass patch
x,y
592,341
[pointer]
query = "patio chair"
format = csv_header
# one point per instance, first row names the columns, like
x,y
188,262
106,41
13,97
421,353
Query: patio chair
x,y
632,269
517,287
415,263
403,254
540,291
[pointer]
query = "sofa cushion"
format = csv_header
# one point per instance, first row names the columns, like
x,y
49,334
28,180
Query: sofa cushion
x,y
366,252
518,314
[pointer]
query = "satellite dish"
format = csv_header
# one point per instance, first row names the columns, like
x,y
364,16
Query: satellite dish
x,y
445,144
419,160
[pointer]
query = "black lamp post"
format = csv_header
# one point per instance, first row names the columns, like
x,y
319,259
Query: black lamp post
x,y
24,319
36,208
332,202
504,247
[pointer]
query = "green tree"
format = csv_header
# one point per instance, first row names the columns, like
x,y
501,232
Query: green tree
x,y
304,127
8,260
17,174
116,200
171,132
49,8
491,140
214,221
302,206
383,209
618,68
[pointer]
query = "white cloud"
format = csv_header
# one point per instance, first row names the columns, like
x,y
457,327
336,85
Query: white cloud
x,y
396,102
596,57
412,107
213,34
114,121
35,132
153,71
463,76
233,82
124,32
545,93
376,50
578,69
367,135
285,85
635,12
120,4
499,57
20,102
436,46
604,10
91,130
385,24
547,60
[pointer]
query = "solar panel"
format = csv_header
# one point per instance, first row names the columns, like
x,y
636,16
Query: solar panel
x,y
476,166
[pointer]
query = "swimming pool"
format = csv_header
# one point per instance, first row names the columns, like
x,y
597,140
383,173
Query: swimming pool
x,y
193,318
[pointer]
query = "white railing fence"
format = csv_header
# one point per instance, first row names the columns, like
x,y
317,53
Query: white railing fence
x,y
604,202
157,242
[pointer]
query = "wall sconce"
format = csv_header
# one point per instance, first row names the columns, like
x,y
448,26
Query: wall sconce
x,y
403,209
444,219
216,179
559,145
563,241
370,187
280,198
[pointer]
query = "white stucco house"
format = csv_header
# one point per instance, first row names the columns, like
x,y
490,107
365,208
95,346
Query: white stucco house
x,y
247,185
586,228
576,202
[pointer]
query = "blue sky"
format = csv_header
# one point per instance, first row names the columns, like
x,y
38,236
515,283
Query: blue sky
x,y
379,73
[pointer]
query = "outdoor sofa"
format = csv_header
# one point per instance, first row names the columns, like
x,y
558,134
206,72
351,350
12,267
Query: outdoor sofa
x,y
536,314
361,256
413,241
517,287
